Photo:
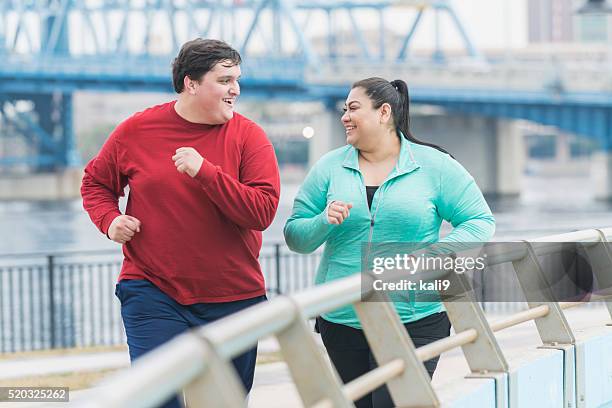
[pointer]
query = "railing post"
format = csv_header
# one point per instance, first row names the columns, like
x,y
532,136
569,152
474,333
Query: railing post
x,y
314,378
600,258
218,386
553,328
277,268
484,354
51,267
389,340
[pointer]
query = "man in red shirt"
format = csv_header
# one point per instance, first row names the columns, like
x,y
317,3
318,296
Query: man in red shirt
x,y
203,185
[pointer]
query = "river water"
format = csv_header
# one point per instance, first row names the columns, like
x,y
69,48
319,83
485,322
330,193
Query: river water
x,y
547,205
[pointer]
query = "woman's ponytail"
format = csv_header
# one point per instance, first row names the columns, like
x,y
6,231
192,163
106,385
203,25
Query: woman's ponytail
x,y
401,115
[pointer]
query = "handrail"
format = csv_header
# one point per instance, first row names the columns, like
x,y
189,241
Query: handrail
x,y
373,379
43,254
434,349
520,317
100,251
284,316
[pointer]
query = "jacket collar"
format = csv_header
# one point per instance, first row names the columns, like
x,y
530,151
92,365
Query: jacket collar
x,y
405,164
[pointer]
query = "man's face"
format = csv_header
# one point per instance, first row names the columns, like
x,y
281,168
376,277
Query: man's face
x,y
216,93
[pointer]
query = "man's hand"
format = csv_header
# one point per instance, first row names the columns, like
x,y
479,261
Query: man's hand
x,y
123,228
188,160
338,212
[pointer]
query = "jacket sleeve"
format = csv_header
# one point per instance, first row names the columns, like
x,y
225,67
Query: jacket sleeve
x,y
308,228
252,200
461,203
103,182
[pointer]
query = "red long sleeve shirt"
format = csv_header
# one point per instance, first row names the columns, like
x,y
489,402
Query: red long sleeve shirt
x,y
200,238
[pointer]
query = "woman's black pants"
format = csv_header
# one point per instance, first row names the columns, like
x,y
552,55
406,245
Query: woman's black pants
x,y
350,353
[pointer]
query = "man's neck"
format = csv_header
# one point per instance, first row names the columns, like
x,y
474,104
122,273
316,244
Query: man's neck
x,y
188,111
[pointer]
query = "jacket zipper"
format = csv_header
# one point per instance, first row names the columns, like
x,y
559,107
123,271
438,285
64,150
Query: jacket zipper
x,y
373,216
372,220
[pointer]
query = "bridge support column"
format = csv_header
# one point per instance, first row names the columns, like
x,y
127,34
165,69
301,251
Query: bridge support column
x,y
490,149
329,132
53,128
510,158
601,173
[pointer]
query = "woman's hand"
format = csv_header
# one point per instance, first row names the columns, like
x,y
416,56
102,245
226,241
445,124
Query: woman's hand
x,y
338,211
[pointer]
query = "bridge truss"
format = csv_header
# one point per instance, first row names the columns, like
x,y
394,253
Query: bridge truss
x,y
52,48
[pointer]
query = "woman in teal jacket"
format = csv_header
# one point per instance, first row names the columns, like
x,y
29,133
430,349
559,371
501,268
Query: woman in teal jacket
x,y
384,186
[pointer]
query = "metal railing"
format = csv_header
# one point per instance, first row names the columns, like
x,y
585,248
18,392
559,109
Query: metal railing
x,y
66,299
58,300
198,362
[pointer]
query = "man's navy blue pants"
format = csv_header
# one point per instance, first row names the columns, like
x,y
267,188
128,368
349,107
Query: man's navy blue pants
x,y
151,318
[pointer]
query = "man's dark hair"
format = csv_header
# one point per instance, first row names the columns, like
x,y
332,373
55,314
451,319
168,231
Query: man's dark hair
x,y
199,56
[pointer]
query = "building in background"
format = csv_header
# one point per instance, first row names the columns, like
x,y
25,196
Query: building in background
x,y
550,20
556,21
555,28
593,28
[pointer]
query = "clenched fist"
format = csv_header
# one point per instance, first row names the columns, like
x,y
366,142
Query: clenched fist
x,y
188,160
123,228
338,212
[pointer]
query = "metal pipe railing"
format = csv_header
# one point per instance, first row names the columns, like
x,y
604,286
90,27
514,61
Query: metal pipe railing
x,y
147,383
329,296
520,317
240,332
438,347
368,382
203,355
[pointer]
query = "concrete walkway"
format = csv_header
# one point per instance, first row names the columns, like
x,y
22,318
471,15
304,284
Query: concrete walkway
x,y
25,367
273,386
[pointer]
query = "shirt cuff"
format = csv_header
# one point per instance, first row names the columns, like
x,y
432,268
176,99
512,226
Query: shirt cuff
x,y
326,213
207,173
107,221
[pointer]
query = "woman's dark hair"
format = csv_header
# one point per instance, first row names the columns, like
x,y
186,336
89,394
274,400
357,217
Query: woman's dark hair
x,y
395,93
199,56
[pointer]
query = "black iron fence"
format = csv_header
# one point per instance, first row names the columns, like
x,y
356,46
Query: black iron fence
x,y
67,299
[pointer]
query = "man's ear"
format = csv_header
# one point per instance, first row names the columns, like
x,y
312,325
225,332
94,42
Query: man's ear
x,y
189,84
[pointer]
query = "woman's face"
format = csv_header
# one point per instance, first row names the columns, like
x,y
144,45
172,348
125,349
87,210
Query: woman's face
x,y
361,121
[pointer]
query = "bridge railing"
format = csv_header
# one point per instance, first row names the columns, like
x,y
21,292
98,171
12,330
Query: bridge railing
x,y
198,362
508,76
65,299
140,67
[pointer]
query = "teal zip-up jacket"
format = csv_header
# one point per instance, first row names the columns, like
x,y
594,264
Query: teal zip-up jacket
x,y
425,187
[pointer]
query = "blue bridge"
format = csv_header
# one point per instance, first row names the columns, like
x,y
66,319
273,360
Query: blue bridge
x,y
299,50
